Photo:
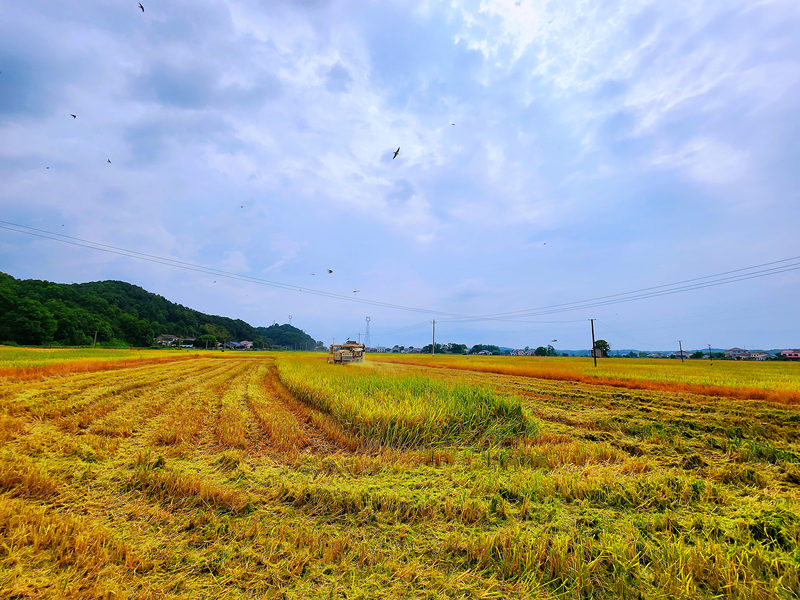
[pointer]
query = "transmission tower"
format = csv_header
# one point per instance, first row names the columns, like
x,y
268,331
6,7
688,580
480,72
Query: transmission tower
x,y
366,335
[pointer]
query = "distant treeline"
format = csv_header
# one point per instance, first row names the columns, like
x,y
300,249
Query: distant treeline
x,y
34,312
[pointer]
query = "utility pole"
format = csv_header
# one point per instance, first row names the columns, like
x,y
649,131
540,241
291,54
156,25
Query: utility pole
x,y
680,345
710,356
290,319
95,339
359,337
433,338
594,350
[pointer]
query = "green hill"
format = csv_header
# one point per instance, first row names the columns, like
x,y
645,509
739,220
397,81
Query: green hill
x,y
34,312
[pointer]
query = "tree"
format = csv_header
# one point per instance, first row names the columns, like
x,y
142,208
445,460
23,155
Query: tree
x,y
30,323
540,351
697,354
481,347
205,341
219,333
603,346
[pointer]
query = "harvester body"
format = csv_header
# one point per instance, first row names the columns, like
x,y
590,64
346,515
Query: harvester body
x,y
345,353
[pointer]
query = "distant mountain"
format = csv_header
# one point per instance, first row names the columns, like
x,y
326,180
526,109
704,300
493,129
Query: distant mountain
x,y
35,312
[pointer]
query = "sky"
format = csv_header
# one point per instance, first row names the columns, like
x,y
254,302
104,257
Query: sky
x,y
550,153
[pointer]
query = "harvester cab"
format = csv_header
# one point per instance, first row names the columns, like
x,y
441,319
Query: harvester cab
x,y
344,353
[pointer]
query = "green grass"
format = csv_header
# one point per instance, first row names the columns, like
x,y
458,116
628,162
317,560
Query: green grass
x,y
409,411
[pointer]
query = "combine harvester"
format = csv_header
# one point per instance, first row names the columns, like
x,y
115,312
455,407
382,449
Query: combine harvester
x,y
345,353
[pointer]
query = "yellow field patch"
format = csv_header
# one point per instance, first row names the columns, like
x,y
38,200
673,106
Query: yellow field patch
x,y
242,475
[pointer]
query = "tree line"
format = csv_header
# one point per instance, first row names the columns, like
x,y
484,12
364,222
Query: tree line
x,y
116,313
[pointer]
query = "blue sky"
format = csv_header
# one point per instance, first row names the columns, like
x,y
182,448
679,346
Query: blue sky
x,y
598,148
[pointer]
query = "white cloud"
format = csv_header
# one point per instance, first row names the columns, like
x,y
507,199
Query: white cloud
x,y
707,161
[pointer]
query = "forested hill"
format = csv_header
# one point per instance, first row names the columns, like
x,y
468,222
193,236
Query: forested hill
x,y
39,312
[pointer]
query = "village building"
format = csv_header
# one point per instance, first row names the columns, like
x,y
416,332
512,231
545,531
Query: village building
x,y
166,339
737,353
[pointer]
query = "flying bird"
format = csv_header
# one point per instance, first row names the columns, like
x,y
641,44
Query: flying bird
x,y
356,291
47,167
452,123
553,340
396,152
140,6
108,160
73,116
330,271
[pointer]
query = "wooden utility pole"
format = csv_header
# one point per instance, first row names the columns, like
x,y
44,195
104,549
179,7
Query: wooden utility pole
x,y
433,338
94,344
710,356
594,350
680,345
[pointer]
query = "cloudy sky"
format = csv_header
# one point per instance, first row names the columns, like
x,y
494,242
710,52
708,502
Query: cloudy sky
x,y
550,153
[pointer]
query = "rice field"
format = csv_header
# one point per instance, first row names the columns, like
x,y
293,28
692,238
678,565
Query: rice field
x,y
258,475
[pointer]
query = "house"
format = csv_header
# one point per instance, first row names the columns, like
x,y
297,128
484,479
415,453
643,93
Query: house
x,y
680,354
791,354
597,353
654,355
233,345
758,355
187,343
166,339
737,353
246,345
518,353
485,353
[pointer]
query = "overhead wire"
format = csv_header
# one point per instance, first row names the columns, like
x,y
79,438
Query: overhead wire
x,y
74,241
518,316
524,312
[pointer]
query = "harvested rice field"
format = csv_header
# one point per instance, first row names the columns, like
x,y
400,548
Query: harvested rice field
x,y
138,474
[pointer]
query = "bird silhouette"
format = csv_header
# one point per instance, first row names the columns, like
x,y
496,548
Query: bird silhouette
x,y
553,340
140,6
396,152
47,167
108,160
452,123
330,271
73,116
356,291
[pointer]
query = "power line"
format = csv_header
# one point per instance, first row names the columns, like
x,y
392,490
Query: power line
x,y
74,241
725,277
543,309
